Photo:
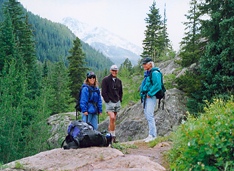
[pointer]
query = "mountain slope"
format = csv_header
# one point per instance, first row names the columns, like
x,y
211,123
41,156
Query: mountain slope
x,y
54,40
111,45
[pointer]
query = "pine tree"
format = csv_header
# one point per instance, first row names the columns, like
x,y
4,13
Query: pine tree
x,y
20,85
60,85
126,68
12,101
77,69
7,41
217,64
22,33
192,43
153,44
167,44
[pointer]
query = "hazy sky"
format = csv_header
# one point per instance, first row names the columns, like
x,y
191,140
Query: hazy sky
x,y
125,18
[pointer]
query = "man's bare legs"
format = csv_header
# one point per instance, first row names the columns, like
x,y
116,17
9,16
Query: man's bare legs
x,y
111,127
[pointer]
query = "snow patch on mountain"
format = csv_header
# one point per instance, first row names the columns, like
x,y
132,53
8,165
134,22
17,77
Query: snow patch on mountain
x,y
110,44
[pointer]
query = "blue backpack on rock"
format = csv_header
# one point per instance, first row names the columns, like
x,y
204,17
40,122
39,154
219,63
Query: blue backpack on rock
x,y
81,134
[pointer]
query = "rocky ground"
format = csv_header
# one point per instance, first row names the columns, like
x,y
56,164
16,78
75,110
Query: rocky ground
x,y
156,154
141,158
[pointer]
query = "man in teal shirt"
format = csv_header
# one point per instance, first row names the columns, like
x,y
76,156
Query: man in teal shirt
x,y
149,87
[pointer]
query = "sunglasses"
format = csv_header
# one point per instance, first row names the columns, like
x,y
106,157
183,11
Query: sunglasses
x,y
92,76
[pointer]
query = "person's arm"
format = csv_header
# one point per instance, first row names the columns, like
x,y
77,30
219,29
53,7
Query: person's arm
x,y
84,99
156,86
121,91
104,90
99,103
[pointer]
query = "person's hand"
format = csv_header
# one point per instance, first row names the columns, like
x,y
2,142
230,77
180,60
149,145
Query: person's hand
x,y
100,113
148,96
85,113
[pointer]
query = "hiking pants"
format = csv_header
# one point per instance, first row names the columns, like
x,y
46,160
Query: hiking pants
x,y
149,114
92,119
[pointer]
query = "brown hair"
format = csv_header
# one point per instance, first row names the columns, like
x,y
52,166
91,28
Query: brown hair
x,y
86,81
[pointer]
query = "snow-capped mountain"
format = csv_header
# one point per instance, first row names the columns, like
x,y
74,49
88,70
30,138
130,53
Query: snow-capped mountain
x,y
111,45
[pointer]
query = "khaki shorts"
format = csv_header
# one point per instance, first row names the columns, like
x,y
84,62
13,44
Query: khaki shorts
x,y
113,107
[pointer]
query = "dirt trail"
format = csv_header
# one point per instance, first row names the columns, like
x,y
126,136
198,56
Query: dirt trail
x,y
156,153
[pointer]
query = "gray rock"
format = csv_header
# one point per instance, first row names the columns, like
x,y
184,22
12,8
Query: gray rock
x,y
131,123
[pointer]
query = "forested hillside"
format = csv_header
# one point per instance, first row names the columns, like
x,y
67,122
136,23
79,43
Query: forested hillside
x,y
34,78
54,40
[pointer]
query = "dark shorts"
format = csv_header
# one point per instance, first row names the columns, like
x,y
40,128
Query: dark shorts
x,y
113,107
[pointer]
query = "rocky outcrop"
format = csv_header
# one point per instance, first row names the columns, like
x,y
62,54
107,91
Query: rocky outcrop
x,y
132,125
88,159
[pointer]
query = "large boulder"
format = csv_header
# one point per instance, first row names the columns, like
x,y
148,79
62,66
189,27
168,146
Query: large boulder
x,y
88,159
131,123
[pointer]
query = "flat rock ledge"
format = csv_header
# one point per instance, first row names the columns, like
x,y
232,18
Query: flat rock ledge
x,y
88,159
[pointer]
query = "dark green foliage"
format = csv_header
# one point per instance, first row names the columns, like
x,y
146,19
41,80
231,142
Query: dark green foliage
x,y
156,42
126,67
165,33
53,40
1,12
59,82
209,42
206,142
31,91
11,104
217,64
20,87
77,69
20,116
95,60
192,44
189,82
7,41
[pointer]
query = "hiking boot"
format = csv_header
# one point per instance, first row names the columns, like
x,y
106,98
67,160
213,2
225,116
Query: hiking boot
x,y
114,139
149,138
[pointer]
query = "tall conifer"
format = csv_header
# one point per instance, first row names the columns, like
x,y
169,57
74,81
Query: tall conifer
x,y
153,44
217,64
60,84
7,41
192,43
77,69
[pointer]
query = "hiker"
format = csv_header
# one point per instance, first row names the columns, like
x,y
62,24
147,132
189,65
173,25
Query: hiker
x,y
112,93
148,90
90,100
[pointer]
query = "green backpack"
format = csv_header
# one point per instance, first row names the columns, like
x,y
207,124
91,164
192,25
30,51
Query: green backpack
x,y
161,93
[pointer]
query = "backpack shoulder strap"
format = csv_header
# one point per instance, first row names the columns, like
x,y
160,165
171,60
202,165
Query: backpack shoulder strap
x,y
151,72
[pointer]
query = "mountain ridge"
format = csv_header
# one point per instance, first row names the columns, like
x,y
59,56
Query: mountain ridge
x,y
111,45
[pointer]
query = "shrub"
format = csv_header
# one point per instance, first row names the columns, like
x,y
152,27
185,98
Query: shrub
x,y
206,142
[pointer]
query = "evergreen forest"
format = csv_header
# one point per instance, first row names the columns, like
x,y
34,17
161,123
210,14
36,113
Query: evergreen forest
x,y
43,64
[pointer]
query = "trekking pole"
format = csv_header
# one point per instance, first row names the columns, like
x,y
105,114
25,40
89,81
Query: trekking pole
x,y
76,114
144,101
86,118
163,102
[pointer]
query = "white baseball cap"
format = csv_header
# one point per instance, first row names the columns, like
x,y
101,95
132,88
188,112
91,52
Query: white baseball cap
x,y
114,67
